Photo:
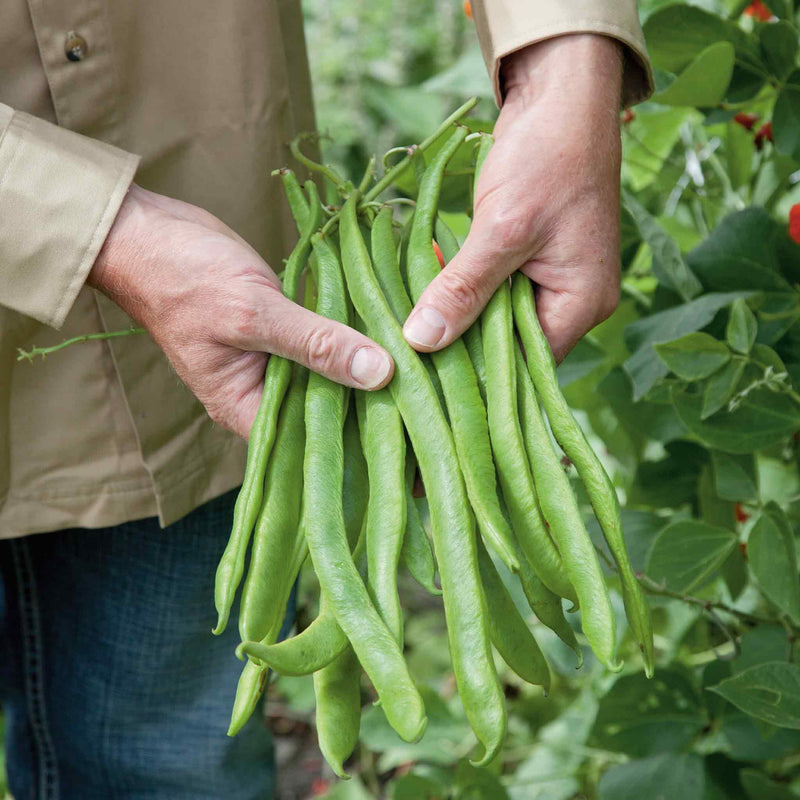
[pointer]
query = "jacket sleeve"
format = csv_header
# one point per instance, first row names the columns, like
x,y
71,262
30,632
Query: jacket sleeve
x,y
59,195
505,26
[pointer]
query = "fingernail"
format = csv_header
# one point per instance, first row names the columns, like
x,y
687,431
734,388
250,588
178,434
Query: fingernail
x,y
369,366
425,327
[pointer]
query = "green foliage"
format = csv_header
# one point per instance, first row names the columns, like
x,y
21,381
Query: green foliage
x,y
689,391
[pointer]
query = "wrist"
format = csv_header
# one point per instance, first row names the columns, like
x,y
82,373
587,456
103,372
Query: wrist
x,y
114,264
585,68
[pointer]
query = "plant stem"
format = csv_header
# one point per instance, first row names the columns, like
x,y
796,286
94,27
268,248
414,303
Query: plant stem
x,y
390,176
29,355
652,587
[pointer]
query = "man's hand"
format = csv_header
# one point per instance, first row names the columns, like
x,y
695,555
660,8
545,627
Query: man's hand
x,y
216,308
547,199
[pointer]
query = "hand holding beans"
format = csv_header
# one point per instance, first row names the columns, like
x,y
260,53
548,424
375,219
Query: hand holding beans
x,y
547,202
216,308
470,418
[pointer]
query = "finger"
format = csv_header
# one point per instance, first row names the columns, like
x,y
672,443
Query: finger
x,y
274,324
456,297
566,316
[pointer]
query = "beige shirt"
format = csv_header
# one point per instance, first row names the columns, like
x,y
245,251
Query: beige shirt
x,y
197,101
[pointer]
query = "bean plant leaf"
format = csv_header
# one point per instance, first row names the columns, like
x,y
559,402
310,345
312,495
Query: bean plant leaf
x,y
677,34
760,787
694,356
668,263
644,367
761,418
741,253
735,476
705,80
719,388
687,553
778,44
786,118
584,358
772,555
742,327
642,717
662,777
768,692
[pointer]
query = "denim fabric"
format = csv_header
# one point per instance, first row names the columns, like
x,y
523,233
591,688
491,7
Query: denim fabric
x,y
111,682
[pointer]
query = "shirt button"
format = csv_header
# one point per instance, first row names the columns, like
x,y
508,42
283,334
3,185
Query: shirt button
x,y
75,48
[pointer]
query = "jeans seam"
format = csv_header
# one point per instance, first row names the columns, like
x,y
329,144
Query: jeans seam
x,y
33,671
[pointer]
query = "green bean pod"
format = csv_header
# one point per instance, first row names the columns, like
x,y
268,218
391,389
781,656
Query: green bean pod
x,y
278,543
452,521
312,649
387,271
548,608
252,683
387,266
384,444
355,485
323,518
262,437
509,633
298,205
560,509
337,689
417,553
509,448
473,340
572,440
459,382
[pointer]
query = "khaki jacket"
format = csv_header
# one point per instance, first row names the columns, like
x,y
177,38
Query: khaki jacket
x,y
197,101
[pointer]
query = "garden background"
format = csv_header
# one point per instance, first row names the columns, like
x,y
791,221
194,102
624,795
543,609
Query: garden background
x,y
690,392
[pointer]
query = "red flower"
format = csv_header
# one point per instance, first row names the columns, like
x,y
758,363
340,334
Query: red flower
x,y
740,513
628,116
746,120
763,134
758,10
438,251
794,223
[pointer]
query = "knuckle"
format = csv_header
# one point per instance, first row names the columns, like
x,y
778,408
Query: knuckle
x,y
320,349
461,289
509,227
246,320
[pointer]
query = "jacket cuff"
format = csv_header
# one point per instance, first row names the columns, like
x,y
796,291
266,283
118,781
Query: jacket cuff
x,y
59,195
505,26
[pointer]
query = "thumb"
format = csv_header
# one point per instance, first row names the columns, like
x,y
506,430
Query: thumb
x,y
455,298
330,348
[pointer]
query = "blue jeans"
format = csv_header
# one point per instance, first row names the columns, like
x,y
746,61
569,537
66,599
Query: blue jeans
x,y
111,683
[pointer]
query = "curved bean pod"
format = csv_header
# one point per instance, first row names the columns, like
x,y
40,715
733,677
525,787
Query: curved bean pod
x,y
324,525
472,336
251,686
561,511
572,440
509,633
513,468
417,552
278,543
262,437
453,524
459,382
548,608
312,649
384,444
337,689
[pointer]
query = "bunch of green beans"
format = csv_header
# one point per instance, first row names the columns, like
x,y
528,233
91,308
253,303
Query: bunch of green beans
x,y
331,474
